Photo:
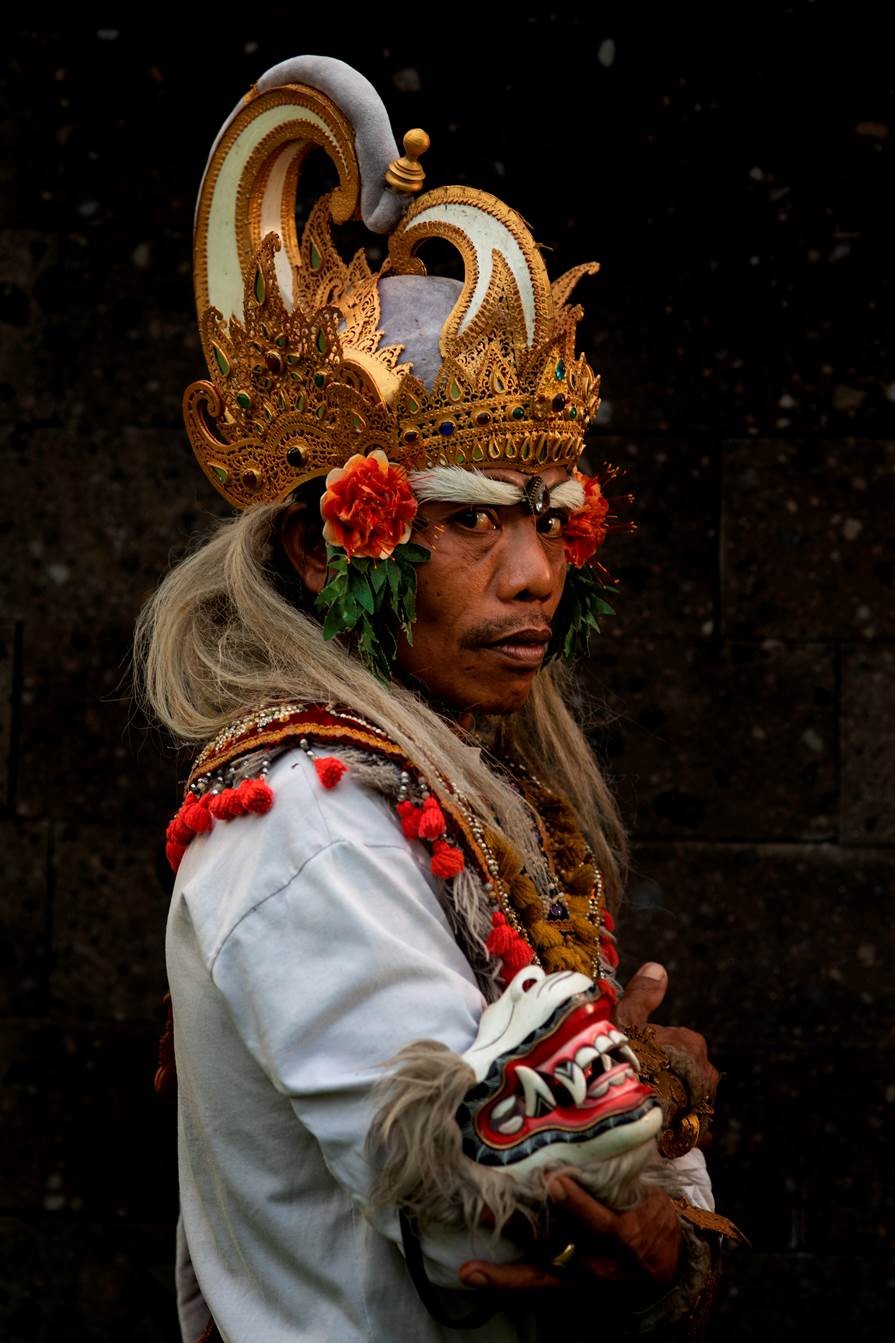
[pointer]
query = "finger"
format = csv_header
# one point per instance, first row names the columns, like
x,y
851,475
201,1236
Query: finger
x,y
521,1277
643,994
602,1266
599,1219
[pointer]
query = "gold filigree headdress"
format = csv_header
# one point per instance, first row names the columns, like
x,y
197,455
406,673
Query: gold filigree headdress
x,y
305,371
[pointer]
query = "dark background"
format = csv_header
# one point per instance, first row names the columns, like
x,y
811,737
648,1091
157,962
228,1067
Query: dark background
x,y
732,171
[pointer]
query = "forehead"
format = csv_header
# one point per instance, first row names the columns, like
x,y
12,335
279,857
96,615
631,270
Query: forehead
x,y
551,476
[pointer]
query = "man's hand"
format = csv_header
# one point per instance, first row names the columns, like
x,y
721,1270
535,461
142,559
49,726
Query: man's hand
x,y
643,995
639,1246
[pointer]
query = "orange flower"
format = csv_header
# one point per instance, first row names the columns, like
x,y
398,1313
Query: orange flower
x,y
585,529
368,506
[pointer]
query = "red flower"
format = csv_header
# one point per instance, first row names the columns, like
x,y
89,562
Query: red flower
x,y
585,529
368,506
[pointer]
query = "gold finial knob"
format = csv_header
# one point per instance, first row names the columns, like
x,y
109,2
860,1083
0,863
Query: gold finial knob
x,y
406,173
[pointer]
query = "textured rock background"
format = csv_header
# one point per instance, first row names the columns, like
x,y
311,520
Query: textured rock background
x,y
732,182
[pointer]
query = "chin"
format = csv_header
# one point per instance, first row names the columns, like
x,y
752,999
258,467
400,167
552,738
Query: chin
x,y
495,698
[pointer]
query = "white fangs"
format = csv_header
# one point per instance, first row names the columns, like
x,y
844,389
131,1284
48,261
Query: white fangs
x,y
573,1080
585,1056
504,1107
534,1086
511,1126
628,1053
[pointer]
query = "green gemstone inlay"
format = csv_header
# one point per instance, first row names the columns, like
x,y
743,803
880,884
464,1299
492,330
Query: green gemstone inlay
x,y
319,379
412,406
220,359
260,286
460,457
322,345
478,452
454,391
244,400
517,412
316,260
573,413
321,411
222,473
560,370
299,402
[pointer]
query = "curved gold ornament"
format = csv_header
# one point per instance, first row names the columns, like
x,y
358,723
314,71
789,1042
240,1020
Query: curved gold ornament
x,y
299,377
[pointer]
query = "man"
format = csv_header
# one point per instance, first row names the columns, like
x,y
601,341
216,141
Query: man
x,y
394,810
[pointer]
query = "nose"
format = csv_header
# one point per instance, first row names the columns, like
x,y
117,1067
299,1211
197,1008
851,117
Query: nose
x,y
527,571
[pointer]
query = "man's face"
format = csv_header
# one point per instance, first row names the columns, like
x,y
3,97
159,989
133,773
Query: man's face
x,y
485,599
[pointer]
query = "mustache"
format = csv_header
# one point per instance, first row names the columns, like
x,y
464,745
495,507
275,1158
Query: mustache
x,y
502,631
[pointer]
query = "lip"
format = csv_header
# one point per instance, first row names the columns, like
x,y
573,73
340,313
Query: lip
x,y
526,646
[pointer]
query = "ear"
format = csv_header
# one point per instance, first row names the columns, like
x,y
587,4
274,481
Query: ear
x,y
307,557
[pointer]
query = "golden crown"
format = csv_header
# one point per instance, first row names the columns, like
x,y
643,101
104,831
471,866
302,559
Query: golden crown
x,y
303,378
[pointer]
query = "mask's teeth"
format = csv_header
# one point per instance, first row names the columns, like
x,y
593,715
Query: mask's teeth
x,y
628,1053
535,1089
511,1126
603,1043
607,1062
503,1107
616,1037
585,1056
596,1092
573,1079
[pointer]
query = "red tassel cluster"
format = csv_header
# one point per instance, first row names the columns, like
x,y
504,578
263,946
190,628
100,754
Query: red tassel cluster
x,y
198,814
507,946
427,823
329,770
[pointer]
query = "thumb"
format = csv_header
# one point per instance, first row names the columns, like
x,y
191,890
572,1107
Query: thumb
x,y
643,994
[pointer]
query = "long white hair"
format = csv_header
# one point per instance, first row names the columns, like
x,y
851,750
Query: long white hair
x,y
221,636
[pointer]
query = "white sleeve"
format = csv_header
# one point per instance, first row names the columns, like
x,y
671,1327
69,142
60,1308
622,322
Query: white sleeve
x,y
327,979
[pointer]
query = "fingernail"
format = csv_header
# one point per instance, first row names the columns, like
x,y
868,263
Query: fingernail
x,y
476,1280
652,971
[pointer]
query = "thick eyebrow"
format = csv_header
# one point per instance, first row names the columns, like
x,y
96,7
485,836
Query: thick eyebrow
x,y
455,485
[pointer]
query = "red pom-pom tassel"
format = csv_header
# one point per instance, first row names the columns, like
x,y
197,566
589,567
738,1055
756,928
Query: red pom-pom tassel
x,y
179,831
174,853
410,819
329,770
431,823
227,805
195,814
505,945
447,860
518,956
257,795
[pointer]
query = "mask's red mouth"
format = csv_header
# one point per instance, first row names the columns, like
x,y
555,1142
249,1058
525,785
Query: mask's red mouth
x,y
575,1081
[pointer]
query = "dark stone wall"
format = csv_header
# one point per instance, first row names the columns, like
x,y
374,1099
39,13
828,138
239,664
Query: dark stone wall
x,y
730,171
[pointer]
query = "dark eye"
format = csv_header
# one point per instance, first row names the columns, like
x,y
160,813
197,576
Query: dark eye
x,y
476,520
551,524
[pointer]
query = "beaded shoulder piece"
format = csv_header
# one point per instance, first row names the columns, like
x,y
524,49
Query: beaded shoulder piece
x,y
566,927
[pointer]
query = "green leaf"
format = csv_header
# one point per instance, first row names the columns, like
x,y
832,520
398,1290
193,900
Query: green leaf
x,y
331,593
393,573
332,625
360,589
378,577
413,554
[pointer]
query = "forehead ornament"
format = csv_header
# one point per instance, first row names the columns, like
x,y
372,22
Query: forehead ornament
x,y
537,496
